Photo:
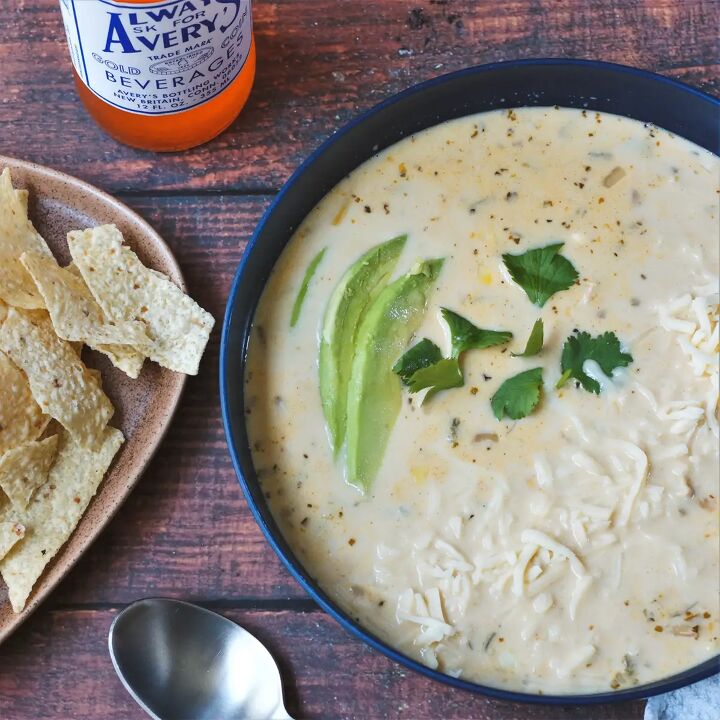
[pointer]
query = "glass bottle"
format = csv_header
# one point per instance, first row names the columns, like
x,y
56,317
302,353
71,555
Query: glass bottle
x,y
161,75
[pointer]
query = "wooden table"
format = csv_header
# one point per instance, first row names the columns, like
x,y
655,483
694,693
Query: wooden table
x,y
186,531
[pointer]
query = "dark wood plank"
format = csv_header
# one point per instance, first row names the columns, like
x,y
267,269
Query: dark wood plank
x,y
186,528
320,62
327,674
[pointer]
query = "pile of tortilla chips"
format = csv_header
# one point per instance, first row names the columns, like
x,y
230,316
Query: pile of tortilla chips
x,y
55,441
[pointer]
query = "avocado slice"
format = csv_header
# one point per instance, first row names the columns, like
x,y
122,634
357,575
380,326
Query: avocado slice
x,y
374,390
358,287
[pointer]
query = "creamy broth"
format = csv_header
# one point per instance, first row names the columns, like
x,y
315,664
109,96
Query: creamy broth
x,y
575,549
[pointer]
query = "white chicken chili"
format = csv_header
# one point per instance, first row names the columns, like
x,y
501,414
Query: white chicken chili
x,y
492,432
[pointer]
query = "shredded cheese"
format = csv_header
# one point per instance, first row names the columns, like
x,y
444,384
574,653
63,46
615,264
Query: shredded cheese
x,y
695,320
543,540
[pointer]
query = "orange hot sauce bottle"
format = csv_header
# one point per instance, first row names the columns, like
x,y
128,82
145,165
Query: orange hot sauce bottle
x,y
162,75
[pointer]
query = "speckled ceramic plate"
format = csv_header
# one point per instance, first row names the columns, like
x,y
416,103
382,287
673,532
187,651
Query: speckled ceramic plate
x,y
143,407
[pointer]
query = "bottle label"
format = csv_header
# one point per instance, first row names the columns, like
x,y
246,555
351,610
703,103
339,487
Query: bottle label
x,y
158,58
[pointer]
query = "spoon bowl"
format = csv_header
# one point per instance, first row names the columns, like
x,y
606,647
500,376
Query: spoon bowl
x,y
180,661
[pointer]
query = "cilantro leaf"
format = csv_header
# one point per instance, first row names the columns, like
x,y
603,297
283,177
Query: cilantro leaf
x,y
541,272
604,349
518,396
425,353
466,336
442,375
302,292
535,341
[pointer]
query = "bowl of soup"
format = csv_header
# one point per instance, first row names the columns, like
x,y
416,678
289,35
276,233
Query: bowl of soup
x,y
469,378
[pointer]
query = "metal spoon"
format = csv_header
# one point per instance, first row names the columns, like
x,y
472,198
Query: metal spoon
x,y
182,662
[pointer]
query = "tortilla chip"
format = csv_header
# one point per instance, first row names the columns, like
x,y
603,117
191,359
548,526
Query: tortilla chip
x,y
55,510
76,316
10,533
59,381
125,358
126,290
96,374
21,418
25,468
17,235
74,313
23,196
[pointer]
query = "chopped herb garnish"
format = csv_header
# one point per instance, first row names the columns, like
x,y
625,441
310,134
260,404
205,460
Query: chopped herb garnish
x,y
541,272
422,355
604,349
518,396
454,425
535,341
443,375
423,366
563,379
302,292
466,336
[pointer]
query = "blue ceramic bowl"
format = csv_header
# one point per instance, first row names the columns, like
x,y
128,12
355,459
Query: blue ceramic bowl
x,y
569,83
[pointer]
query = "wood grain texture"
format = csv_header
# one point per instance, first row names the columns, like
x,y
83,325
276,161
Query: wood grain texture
x,y
327,674
319,63
186,530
